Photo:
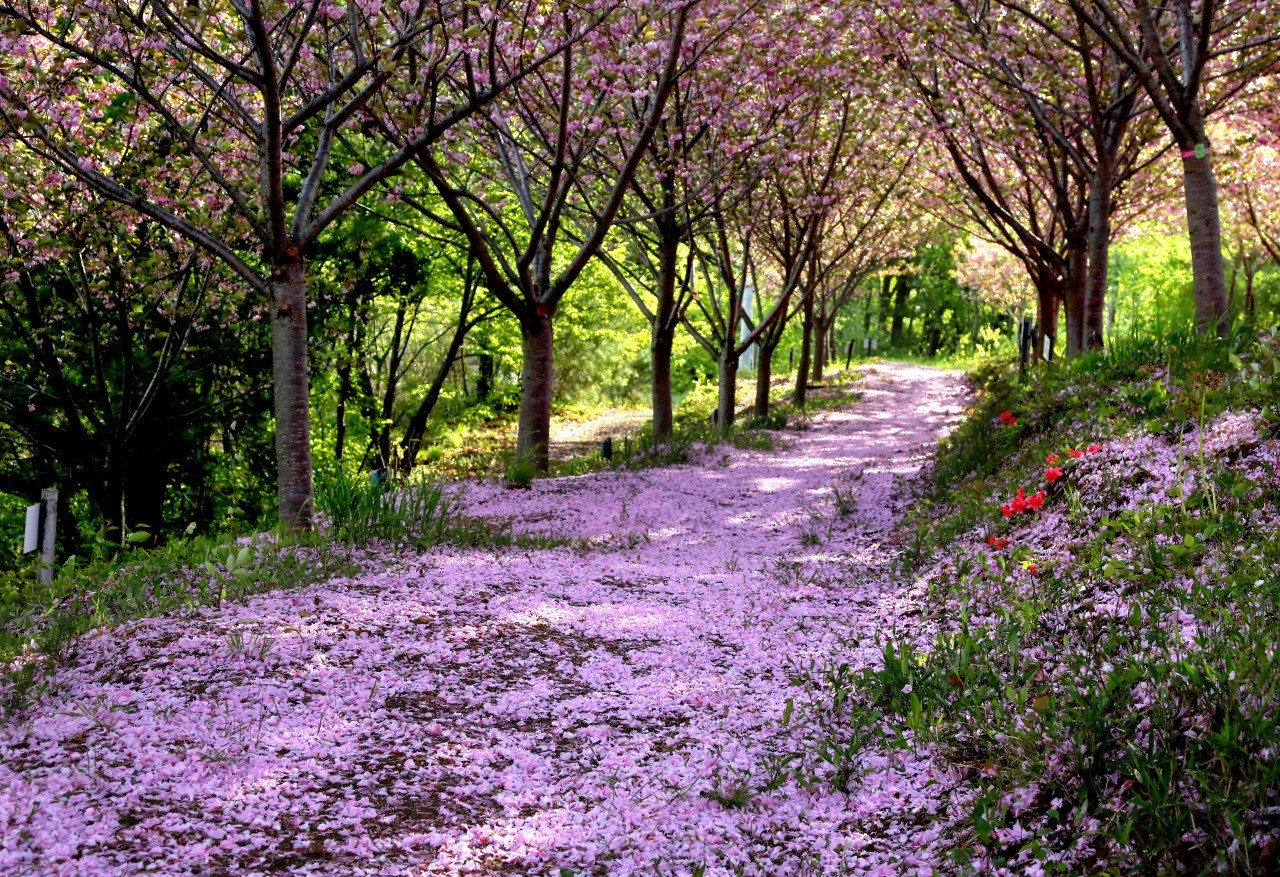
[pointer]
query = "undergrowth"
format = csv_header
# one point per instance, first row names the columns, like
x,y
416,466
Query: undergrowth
x,y
1104,670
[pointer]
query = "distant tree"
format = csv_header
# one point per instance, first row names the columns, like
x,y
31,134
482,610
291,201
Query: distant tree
x,y
536,149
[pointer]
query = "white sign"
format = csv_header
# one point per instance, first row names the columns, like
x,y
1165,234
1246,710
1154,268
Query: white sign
x,y
31,536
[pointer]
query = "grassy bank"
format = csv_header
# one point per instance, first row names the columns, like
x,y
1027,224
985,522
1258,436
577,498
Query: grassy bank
x,y
1099,546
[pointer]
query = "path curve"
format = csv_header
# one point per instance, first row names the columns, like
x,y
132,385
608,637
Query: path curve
x,y
613,707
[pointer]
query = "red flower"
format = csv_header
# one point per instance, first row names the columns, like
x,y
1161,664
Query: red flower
x,y
1017,505
1051,459
1093,449
1075,455
997,542
1036,500
1007,418
1052,474
1031,568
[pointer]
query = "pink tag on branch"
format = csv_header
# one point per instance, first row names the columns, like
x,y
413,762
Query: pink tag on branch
x,y
1199,152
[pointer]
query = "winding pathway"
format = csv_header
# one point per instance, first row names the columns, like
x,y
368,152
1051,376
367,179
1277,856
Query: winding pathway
x,y
613,706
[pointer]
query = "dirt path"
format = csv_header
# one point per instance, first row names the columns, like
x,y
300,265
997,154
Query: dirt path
x,y
613,707
576,438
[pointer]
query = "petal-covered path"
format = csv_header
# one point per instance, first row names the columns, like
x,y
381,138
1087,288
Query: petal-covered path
x,y
611,707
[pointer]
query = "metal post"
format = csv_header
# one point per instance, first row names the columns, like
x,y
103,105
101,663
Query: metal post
x,y
1026,337
48,534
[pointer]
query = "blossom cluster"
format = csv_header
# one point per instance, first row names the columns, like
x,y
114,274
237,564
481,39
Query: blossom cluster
x,y
1021,503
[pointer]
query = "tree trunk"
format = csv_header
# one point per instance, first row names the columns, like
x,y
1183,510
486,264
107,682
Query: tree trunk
x,y
1095,292
764,375
663,333
290,394
416,430
886,301
820,349
344,387
1047,301
901,289
1073,293
146,479
806,345
661,344
394,361
533,441
484,376
1204,229
110,499
728,401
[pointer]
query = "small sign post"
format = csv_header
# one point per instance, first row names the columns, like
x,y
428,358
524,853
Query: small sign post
x,y
48,534
1026,342
41,533
31,535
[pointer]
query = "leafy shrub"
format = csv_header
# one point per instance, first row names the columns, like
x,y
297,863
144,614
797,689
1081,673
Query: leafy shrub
x,y
358,510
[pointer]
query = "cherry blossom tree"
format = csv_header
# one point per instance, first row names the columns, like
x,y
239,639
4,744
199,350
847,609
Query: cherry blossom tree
x,y
1192,58
1087,101
724,107
245,103
1012,186
536,148
107,326
1072,116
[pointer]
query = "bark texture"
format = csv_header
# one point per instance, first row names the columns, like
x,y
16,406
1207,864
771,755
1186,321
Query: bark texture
x,y
764,375
728,400
291,395
1095,292
533,441
806,352
1204,228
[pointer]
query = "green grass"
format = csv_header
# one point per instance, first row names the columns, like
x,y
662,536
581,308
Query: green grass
x,y
1157,754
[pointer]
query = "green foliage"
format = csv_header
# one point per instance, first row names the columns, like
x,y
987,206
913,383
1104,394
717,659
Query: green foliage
x,y
521,470
359,510
922,312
